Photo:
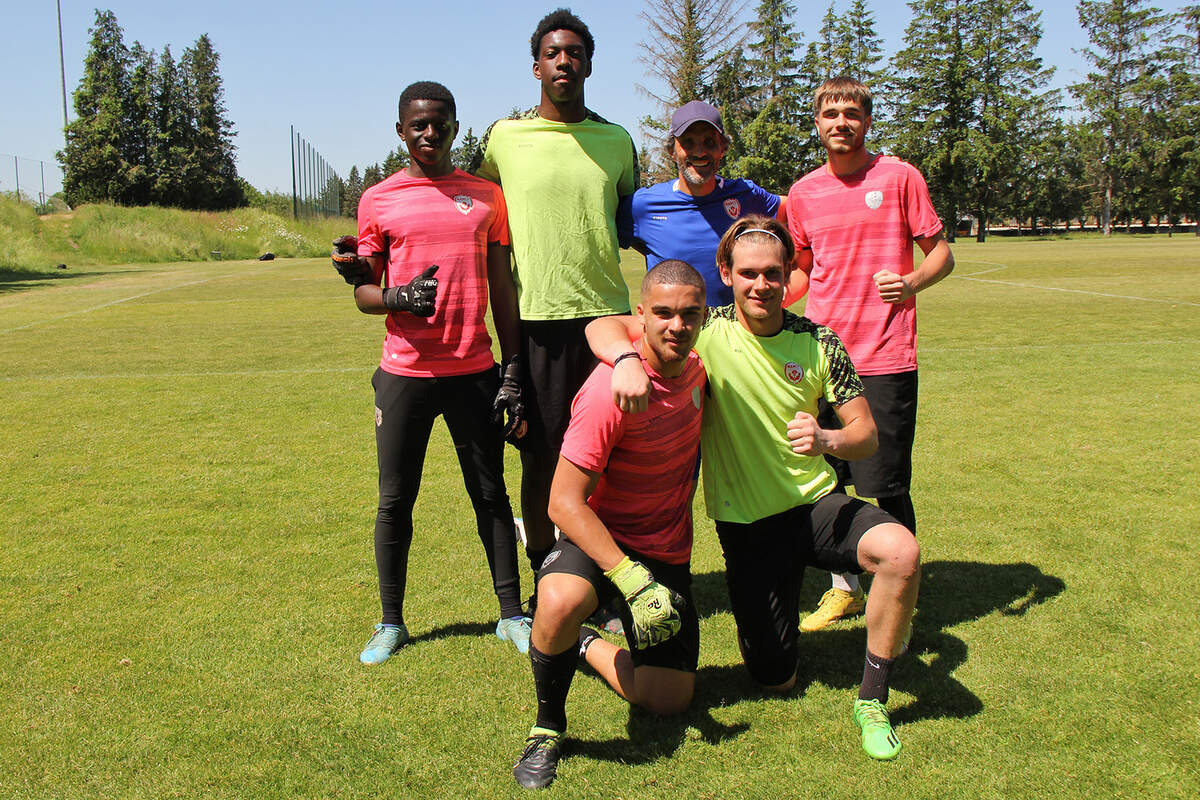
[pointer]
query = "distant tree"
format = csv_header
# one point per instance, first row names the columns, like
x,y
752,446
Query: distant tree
x,y
211,170
371,176
935,103
395,161
172,132
466,151
141,130
1179,111
352,192
1117,92
95,167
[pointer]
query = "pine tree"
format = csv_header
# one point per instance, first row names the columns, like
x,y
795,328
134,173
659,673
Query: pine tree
x,y
933,90
352,193
95,167
172,126
466,151
140,128
1179,152
211,170
1116,92
395,161
371,176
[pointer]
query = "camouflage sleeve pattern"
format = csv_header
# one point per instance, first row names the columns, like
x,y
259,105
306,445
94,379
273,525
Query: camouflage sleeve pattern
x,y
844,384
477,161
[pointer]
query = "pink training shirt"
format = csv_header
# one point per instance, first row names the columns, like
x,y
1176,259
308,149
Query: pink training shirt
x,y
447,221
647,460
857,225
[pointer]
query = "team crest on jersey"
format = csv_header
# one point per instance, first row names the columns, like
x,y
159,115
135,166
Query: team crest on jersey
x,y
874,199
733,208
793,371
463,203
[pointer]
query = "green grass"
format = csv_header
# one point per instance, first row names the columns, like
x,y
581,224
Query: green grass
x,y
187,472
92,235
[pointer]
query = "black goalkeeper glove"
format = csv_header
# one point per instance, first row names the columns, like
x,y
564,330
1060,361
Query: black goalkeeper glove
x,y
417,296
508,398
353,268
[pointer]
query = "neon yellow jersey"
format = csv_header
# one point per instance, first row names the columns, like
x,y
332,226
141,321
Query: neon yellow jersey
x,y
562,181
757,384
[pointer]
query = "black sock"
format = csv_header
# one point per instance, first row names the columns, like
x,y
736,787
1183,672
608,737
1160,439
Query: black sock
x,y
876,672
586,637
901,508
552,679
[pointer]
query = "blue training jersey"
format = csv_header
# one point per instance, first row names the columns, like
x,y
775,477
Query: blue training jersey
x,y
674,224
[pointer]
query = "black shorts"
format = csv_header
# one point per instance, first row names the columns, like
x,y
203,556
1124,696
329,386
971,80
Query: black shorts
x,y
682,651
557,362
893,402
764,567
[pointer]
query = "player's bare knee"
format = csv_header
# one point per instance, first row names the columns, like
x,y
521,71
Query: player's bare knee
x,y
560,605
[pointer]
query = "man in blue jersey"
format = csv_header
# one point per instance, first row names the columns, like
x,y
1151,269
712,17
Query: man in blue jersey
x,y
685,218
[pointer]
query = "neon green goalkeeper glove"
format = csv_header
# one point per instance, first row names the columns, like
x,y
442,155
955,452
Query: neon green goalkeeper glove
x,y
652,605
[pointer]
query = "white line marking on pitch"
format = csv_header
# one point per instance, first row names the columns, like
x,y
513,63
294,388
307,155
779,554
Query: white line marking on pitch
x,y
127,299
218,373
1081,291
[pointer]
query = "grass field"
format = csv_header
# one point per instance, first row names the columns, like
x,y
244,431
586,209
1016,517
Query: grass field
x,y
187,495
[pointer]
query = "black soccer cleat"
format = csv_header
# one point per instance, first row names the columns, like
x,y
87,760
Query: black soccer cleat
x,y
538,764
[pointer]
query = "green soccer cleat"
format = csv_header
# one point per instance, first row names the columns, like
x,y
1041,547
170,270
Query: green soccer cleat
x,y
538,764
515,630
878,738
386,640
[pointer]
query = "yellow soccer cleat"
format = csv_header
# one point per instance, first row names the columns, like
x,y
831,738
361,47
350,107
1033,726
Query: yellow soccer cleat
x,y
835,604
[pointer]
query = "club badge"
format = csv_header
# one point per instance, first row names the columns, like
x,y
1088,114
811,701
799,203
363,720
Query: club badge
x,y
793,371
733,208
463,203
874,199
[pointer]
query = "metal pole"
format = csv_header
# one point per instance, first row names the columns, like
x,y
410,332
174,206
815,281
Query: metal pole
x,y
62,70
17,175
292,141
42,167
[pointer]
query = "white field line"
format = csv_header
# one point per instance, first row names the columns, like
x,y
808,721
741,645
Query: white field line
x,y
137,376
128,299
999,267
1059,346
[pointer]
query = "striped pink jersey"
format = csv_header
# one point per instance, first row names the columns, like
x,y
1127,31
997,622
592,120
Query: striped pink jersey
x,y
857,225
447,221
647,460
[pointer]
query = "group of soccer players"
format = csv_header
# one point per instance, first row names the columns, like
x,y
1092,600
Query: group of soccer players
x,y
611,412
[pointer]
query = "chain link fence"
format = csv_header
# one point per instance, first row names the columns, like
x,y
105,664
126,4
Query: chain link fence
x,y
30,180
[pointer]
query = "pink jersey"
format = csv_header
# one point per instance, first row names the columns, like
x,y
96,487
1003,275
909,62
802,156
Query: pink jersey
x,y
447,221
647,460
857,225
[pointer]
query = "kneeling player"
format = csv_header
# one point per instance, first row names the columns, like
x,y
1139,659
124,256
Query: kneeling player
x,y
767,483
622,496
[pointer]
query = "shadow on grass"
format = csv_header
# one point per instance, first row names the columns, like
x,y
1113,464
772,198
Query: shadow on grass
x,y
952,592
652,737
20,280
456,629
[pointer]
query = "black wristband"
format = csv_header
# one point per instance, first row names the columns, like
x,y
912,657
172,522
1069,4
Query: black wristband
x,y
623,356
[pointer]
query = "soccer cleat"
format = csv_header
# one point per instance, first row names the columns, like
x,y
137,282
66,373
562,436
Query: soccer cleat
x,y
539,761
835,604
878,738
386,640
515,630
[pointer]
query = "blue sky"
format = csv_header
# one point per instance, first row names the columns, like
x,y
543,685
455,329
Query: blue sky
x,y
334,70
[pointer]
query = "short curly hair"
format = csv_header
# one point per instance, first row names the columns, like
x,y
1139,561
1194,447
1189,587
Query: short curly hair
x,y
425,90
561,20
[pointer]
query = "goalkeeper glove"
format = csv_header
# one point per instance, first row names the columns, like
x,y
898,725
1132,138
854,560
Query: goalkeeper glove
x,y
654,607
417,296
508,398
353,268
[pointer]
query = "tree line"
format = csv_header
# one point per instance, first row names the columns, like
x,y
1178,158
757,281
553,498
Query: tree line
x,y
149,130
964,99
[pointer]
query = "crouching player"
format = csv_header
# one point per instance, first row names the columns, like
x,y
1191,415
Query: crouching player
x,y
766,481
437,356
622,497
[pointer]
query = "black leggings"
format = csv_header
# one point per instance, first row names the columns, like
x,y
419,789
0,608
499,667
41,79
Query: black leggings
x,y
405,409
